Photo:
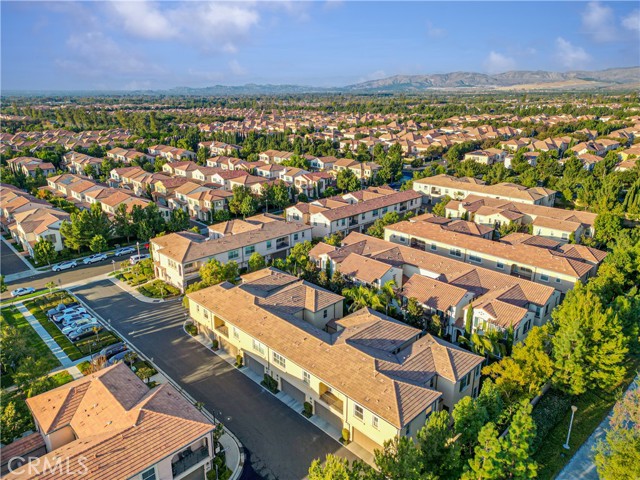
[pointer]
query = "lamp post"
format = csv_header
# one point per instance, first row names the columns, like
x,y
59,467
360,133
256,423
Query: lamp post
x,y
138,245
573,412
113,263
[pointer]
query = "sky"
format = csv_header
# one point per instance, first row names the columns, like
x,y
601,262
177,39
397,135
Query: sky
x,y
132,45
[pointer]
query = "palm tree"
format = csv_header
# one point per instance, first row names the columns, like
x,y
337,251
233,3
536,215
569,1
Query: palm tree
x,y
373,299
479,343
358,295
388,294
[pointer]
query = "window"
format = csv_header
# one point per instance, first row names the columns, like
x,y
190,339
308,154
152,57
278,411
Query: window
x,y
268,244
279,360
375,422
258,347
236,333
477,373
233,254
149,474
363,216
249,250
475,258
526,326
433,246
464,383
358,412
375,213
455,252
325,314
544,278
565,236
295,236
500,265
306,378
384,210
557,280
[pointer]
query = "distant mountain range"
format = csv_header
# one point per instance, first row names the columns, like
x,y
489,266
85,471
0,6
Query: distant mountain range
x,y
610,79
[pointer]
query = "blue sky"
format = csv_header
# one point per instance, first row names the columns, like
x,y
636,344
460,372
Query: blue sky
x,y
137,45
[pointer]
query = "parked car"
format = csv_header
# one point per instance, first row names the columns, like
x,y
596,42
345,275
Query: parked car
x,y
98,257
64,265
138,258
68,311
61,308
124,251
110,351
118,357
67,314
83,331
73,319
79,323
18,292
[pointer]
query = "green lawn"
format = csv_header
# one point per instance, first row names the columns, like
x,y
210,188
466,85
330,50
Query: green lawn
x,y
61,378
158,289
37,293
593,407
37,345
84,367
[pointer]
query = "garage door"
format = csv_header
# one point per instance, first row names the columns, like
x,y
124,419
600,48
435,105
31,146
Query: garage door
x,y
254,364
292,391
364,441
327,415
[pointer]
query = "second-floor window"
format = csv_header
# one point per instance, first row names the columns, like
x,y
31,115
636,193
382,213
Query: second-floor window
x,y
233,254
279,360
475,258
306,378
149,474
455,252
258,347
358,412
544,278
464,383
249,250
375,421
499,265
268,244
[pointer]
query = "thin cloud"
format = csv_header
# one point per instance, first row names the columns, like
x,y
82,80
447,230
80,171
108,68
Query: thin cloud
x,y
498,63
236,68
632,21
435,32
569,55
599,22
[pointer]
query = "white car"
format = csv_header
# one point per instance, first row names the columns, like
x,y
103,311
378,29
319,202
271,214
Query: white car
x,y
83,321
65,265
98,257
138,258
18,292
124,251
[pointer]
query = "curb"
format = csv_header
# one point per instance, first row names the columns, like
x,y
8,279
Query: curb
x,y
237,472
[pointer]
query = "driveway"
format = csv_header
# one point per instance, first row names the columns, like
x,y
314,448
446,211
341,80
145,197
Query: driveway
x,y
282,443
10,263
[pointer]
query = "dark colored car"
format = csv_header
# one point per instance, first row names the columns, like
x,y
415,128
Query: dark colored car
x,y
110,351
117,358
61,308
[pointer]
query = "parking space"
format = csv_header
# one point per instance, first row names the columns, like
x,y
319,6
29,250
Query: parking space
x,y
10,263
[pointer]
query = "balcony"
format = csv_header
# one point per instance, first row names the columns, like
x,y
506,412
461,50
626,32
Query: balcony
x,y
223,330
188,459
282,244
353,221
334,402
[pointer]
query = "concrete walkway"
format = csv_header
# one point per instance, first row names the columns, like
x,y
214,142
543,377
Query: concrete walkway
x,y
44,335
323,425
134,292
581,466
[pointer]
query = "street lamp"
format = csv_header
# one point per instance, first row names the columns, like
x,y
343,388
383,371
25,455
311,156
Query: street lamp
x,y
138,245
573,412
113,262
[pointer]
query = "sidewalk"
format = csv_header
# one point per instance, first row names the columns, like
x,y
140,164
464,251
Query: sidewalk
x,y
44,335
133,292
581,466
290,402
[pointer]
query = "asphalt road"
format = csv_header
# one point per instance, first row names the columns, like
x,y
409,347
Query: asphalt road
x,y
282,444
10,263
81,272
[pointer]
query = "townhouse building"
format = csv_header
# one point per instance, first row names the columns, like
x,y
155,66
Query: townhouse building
x,y
436,187
560,268
355,211
553,223
486,157
109,424
39,223
127,155
14,200
177,257
171,154
79,162
362,170
29,166
443,286
367,373
219,148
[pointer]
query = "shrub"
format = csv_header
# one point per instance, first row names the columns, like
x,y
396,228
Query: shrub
x,y
551,408
191,329
270,383
239,360
308,410
214,344
345,435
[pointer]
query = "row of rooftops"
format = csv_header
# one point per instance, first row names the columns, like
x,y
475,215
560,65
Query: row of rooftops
x,y
378,362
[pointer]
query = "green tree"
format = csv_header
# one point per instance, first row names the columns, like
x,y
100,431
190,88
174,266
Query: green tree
x,y
399,460
414,313
618,455
256,262
337,282
589,347
358,295
242,202
607,227
122,224
14,422
178,221
518,463
98,244
387,294
44,251
334,468
214,272
347,181
440,453
377,229
439,208
3,285
32,376
469,417
13,346
487,462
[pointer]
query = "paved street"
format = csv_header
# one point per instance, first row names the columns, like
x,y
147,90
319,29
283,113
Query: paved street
x,y
10,262
81,272
282,444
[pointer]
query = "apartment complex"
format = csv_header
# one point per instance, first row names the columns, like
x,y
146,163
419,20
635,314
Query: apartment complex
x,y
110,425
443,286
439,186
552,223
560,268
354,211
177,257
374,376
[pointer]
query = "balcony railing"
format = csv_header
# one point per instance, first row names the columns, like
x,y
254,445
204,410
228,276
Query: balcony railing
x,y
334,402
280,245
223,330
188,459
